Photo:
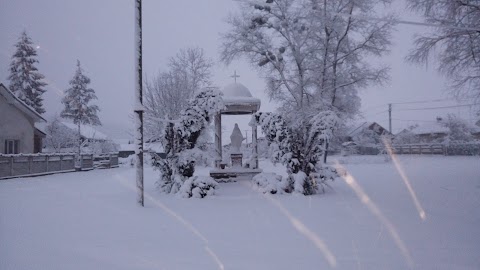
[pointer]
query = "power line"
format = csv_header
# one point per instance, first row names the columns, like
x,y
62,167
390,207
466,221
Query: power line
x,y
374,107
395,21
407,120
409,102
421,101
412,120
442,107
374,114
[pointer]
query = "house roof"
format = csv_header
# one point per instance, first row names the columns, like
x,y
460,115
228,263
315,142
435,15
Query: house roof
x,y
430,128
404,131
19,104
87,131
40,133
127,147
359,128
437,128
365,125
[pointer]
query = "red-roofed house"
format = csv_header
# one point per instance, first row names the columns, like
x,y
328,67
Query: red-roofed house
x,y
17,125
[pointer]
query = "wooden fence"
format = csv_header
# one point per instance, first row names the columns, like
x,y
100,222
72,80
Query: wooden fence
x,y
452,149
419,149
20,165
106,161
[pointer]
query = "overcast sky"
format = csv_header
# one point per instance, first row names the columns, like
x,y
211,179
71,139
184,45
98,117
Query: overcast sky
x,y
100,34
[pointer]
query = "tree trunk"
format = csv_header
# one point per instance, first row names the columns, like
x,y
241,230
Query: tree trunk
x,y
79,150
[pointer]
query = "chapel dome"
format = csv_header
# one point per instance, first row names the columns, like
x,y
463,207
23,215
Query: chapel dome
x,y
236,90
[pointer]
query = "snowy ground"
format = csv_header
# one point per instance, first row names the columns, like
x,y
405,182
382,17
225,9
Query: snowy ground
x,y
89,220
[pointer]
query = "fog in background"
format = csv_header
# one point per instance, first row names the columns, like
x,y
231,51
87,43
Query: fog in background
x,y
101,35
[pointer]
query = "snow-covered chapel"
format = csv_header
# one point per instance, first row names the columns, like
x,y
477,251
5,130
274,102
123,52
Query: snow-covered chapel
x,y
238,100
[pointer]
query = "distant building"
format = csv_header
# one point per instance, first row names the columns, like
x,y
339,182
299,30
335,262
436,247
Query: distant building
x,y
87,133
431,132
406,136
17,125
368,133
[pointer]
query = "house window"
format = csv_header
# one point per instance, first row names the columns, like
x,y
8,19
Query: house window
x,y
11,146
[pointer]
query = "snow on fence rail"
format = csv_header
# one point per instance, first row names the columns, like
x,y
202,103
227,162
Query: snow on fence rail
x,y
106,161
19,165
452,149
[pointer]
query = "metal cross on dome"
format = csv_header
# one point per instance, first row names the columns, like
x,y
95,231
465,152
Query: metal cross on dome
x,y
235,76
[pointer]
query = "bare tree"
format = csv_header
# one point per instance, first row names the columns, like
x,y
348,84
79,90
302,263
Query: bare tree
x,y
167,94
456,42
314,60
313,56
459,129
59,137
193,67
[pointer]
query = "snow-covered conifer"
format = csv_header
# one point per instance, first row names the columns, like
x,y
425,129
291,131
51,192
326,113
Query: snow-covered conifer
x,y
77,101
25,79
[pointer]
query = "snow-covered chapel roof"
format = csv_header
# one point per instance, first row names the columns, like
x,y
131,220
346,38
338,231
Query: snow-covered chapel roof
x,y
236,90
239,100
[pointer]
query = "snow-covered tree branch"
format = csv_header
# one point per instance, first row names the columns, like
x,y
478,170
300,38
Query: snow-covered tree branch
x,y
455,42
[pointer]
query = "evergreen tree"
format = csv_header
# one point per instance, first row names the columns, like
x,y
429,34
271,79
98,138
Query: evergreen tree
x,y
77,102
25,80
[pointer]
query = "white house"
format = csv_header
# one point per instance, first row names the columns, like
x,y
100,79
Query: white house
x,y
17,125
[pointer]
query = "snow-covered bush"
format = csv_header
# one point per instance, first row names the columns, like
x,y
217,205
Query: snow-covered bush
x,y
459,130
102,147
299,144
270,183
324,175
198,187
166,183
181,139
127,161
302,183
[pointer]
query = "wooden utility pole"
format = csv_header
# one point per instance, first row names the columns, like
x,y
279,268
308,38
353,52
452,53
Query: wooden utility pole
x,y
138,109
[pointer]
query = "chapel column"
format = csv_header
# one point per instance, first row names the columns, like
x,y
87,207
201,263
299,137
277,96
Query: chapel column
x,y
255,146
218,140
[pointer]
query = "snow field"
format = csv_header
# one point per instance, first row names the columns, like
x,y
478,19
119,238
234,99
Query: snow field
x,y
89,220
